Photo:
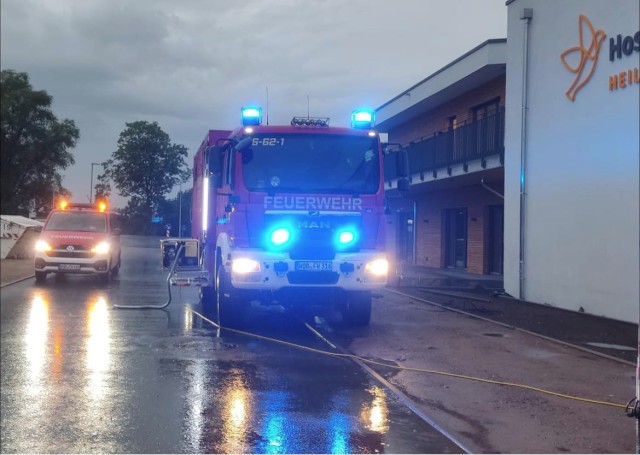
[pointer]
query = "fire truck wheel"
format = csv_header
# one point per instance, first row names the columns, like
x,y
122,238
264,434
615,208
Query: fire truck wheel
x,y
116,269
208,300
230,310
41,277
358,309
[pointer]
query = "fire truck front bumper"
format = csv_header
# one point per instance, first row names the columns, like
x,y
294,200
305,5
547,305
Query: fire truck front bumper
x,y
261,270
97,264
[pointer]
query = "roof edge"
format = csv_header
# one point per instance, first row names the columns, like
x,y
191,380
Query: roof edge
x,y
450,64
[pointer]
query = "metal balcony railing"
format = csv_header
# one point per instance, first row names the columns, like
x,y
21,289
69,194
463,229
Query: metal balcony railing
x,y
470,141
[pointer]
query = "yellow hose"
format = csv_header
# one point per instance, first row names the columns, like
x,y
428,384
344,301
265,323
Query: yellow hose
x,y
419,370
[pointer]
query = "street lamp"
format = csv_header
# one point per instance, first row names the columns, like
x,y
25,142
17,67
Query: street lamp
x,y
91,188
180,212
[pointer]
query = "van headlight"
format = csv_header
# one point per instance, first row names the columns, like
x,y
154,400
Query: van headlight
x,y
377,267
42,246
101,248
243,266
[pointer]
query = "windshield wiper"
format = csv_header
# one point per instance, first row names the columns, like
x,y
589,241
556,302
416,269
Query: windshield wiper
x,y
297,190
272,191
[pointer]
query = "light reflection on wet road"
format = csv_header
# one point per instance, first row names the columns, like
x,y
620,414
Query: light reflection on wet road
x,y
80,376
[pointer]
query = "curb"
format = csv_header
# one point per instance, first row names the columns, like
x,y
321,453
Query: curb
x,y
16,281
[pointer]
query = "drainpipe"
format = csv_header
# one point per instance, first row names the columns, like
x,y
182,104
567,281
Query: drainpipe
x,y
415,231
527,14
637,406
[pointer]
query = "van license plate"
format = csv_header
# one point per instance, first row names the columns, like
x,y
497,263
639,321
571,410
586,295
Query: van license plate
x,y
313,266
69,267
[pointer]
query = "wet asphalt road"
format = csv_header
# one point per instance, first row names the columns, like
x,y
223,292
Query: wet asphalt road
x,y
78,375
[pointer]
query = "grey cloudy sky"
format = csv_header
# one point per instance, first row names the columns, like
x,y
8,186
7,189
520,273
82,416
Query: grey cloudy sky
x,y
190,65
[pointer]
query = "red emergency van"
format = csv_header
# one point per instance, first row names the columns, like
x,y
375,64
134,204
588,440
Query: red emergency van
x,y
79,239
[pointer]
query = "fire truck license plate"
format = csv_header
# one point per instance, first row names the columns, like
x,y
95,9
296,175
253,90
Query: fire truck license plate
x,y
313,266
69,267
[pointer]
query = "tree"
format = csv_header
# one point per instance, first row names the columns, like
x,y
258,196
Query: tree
x,y
102,189
145,167
132,219
169,210
35,146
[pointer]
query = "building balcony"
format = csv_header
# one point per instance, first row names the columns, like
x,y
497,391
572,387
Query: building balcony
x,y
471,147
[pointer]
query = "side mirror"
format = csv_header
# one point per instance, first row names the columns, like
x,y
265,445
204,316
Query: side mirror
x,y
402,163
244,147
214,159
117,231
390,147
244,144
403,185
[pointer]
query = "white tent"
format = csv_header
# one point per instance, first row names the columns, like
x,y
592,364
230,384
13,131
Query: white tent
x,y
18,235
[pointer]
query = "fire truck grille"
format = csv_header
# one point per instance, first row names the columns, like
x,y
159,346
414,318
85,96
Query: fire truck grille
x,y
313,277
314,236
313,244
314,252
63,251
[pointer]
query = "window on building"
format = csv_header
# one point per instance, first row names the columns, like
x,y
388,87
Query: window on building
x,y
452,122
453,144
455,238
485,129
485,109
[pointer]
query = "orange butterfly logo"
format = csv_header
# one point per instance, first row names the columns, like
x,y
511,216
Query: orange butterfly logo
x,y
588,56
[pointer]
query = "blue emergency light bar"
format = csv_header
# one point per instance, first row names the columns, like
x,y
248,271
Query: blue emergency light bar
x,y
362,118
251,115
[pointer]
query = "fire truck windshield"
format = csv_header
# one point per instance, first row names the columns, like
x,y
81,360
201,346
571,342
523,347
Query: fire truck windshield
x,y
77,221
301,163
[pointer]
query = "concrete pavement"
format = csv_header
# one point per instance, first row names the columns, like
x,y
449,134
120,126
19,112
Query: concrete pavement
x,y
12,270
491,418
481,296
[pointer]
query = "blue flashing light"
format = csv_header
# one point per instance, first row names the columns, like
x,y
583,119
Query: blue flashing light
x,y
251,115
362,118
345,237
280,236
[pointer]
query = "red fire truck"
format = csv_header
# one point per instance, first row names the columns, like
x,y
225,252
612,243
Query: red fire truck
x,y
290,214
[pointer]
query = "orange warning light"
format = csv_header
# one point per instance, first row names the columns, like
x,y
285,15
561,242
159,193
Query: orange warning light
x,y
102,206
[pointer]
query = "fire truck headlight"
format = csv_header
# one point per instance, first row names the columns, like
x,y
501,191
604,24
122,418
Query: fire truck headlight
x,y
101,248
377,267
280,236
245,265
42,246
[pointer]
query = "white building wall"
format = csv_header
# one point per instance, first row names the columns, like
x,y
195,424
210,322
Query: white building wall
x,y
581,208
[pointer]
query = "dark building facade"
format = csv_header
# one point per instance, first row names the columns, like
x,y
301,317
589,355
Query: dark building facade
x,y
451,125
